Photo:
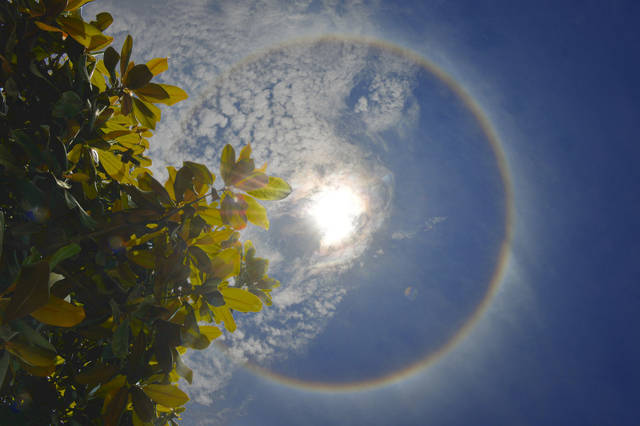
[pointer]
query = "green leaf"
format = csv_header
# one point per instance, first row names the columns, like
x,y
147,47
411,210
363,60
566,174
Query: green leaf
x,y
168,395
143,405
137,77
227,161
59,312
63,253
32,336
120,342
32,291
32,355
68,106
146,114
256,213
241,300
276,189
125,55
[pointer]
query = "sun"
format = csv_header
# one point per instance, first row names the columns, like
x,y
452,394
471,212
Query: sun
x,y
335,212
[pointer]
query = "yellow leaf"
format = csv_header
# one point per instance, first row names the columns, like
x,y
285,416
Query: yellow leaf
x,y
97,79
241,300
113,384
158,65
222,313
211,215
49,28
276,189
147,114
256,213
168,395
170,181
227,161
225,263
212,332
175,93
59,312
113,166
85,34
245,153
32,355
75,153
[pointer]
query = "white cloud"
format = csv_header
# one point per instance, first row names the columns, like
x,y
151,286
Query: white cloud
x,y
294,104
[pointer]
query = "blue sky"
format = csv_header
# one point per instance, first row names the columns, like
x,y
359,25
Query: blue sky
x,y
558,344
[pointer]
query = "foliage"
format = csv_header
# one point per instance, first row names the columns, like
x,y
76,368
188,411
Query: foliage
x,y
107,275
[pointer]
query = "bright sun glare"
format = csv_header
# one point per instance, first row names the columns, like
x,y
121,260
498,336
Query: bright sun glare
x,y
335,211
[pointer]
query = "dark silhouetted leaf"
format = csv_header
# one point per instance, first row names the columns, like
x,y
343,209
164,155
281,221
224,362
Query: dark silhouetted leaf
x,y
137,77
68,106
142,405
32,291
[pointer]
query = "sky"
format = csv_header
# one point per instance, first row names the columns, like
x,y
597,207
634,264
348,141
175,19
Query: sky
x,y
486,270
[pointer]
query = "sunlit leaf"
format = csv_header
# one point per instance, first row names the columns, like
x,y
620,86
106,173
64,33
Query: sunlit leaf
x,y
146,114
212,332
158,65
276,189
175,93
59,312
241,300
227,161
225,263
168,395
211,215
256,213
223,314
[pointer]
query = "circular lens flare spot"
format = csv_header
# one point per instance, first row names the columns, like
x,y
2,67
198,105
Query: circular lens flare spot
x,y
336,211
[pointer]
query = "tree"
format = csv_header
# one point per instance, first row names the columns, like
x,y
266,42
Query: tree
x,y
106,275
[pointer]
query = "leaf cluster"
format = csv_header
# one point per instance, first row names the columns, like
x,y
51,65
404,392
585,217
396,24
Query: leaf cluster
x,y
107,276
